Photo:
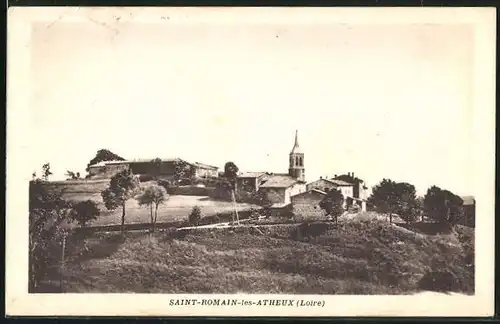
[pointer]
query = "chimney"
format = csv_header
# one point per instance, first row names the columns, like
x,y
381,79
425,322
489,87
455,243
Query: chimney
x,y
320,177
353,174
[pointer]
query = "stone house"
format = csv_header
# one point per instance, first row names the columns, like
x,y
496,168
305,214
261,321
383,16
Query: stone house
x,y
325,185
279,188
106,170
306,205
250,181
360,190
202,170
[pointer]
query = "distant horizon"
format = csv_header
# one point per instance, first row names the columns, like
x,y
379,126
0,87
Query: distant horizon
x,y
382,101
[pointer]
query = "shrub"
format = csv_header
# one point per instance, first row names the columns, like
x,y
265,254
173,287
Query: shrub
x,y
441,281
164,183
85,212
195,215
145,177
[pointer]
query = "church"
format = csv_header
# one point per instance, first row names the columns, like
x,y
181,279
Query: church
x,y
291,189
278,187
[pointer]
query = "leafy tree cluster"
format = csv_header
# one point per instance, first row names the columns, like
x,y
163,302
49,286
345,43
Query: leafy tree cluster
x,y
443,205
50,217
332,204
104,155
123,186
183,171
399,198
71,175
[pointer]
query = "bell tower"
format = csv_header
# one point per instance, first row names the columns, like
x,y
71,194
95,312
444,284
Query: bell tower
x,y
296,163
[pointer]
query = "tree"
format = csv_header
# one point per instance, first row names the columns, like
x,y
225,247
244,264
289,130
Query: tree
x,y
384,197
156,167
183,170
104,155
332,204
195,216
420,207
407,205
231,174
152,196
262,199
85,212
392,197
122,187
443,205
48,220
46,173
72,175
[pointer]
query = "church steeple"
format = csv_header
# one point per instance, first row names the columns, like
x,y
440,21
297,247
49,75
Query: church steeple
x,y
296,163
296,147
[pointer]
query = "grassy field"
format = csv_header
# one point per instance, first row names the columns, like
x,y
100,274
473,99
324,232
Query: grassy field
x,y
360,256
176,208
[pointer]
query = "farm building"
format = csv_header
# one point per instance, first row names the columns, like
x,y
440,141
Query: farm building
x,y
205,171
279,189
353,189
306,204
165,168
360,190
326,185
251,181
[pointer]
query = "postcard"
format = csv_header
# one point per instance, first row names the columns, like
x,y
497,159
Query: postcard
x,y
250,161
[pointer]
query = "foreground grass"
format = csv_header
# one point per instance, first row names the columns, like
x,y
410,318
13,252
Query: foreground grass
x,y
357,257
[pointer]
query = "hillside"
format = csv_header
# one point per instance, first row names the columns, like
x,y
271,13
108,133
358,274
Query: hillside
x,y
361,256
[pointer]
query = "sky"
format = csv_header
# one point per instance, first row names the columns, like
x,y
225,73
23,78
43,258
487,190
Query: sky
x,y
382,101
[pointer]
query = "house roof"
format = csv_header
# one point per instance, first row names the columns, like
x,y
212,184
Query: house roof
x,y
468,200
338,182
279,205
251,174
205,166
103,163
309,192
280,181
348,178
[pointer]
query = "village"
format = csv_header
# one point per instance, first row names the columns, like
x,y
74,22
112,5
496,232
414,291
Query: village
x,y
284,191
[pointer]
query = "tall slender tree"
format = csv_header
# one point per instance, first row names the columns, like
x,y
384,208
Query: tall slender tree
x,y
152,196
231,174
122,187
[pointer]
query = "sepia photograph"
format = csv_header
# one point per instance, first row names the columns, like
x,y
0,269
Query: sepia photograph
x,y
215,155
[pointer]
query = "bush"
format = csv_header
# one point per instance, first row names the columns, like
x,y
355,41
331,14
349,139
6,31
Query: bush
x,y
442,281
195,216
85,212
164,183
145,177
